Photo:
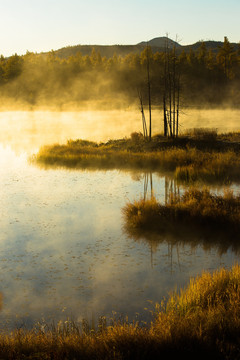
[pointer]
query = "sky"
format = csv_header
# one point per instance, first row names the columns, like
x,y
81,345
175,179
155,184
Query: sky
x,y
43,25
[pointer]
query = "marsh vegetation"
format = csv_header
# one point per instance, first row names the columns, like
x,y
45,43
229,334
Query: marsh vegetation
x,y
202,320
200,156
213,219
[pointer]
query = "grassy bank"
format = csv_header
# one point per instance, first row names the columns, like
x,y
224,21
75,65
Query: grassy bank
x,y
200,157
201,321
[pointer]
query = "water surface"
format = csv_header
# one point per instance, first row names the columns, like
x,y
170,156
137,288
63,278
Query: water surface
x,y
63,249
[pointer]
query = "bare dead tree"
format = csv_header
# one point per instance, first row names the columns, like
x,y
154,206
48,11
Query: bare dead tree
x,y
165,117
145,132
171,92
178,103
149,93
174,84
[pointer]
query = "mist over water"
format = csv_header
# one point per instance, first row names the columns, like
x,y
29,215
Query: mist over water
x,y
63,249
29,130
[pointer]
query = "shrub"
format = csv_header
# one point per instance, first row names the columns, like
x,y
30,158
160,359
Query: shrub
x,y
136,137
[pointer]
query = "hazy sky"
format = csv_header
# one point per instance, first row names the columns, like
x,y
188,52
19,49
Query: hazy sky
x,y
42,25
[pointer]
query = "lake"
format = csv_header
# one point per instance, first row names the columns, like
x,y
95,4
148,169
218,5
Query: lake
x,y
64,252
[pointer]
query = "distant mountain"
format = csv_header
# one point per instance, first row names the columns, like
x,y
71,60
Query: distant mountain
x,y
157,44
104,50
160,42
210,44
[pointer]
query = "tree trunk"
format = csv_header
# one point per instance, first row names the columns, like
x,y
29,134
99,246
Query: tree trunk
x,y
149,94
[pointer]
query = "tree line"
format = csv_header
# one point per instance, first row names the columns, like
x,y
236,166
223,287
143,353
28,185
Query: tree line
x,y
207,78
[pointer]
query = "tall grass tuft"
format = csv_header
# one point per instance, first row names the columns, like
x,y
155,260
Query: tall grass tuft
x,y
207,311
197,218
202,133
199,206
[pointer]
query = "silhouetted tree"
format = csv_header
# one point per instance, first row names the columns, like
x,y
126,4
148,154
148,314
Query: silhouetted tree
x,y
226,57
171,92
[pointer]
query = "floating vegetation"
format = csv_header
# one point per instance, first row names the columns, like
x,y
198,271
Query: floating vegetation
x,y
202,156
201,320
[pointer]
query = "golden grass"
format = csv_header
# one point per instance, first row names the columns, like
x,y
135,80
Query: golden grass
x,y
191,160
194,206
196,218
201,321
208,309
202,133
209,167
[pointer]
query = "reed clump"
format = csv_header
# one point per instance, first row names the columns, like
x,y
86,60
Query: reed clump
x,y
201,321
194,207
208,311
209,167
202,133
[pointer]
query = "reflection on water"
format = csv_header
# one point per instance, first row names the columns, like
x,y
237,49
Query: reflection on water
x,y
171,188
63,251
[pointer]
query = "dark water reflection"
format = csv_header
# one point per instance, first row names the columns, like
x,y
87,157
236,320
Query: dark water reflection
x,y
63,251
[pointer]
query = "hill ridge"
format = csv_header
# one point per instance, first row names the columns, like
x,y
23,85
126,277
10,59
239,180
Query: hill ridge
x,y
157,44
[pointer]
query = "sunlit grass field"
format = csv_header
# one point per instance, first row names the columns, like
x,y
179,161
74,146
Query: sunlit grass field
x,y
201,321
201,156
